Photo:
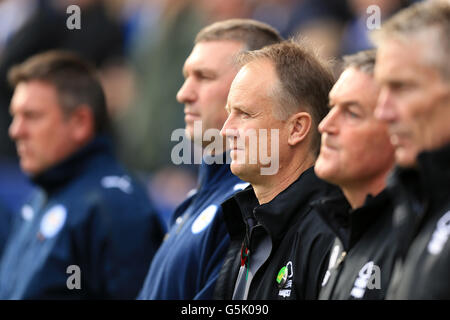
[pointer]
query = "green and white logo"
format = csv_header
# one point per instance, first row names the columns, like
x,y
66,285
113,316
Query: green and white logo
x,y
282,276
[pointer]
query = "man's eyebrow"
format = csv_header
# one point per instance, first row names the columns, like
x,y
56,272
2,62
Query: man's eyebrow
x,y
199,71
243,108
344,104
351,103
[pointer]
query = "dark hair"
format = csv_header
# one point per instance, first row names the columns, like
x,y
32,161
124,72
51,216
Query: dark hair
x,y
74,79
305,81
252,33
362,60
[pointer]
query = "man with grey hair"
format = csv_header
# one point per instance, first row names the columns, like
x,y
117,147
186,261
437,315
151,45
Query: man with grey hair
x,y
279,246
414,74
188,262
356,155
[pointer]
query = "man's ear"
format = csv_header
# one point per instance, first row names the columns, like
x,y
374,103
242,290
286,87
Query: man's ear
x,y
82,122
299,126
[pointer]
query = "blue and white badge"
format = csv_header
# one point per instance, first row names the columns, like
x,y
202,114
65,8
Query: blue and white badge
x,y
27,212
204,219
241,186
53,221
122,183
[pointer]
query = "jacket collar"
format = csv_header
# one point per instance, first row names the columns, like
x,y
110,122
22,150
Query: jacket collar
x,y
210,171
435,172
61,173
277,215
430,180
350,224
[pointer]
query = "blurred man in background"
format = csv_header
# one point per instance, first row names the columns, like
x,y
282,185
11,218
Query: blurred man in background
x,y
356,155
86,212
188,262
414,73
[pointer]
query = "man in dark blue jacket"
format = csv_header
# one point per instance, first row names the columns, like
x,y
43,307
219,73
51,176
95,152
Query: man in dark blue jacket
x,y
5,218
188,262
89,231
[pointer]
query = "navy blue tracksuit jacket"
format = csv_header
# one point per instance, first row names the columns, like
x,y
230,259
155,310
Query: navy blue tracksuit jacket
x,y
5,221
188,262
88,213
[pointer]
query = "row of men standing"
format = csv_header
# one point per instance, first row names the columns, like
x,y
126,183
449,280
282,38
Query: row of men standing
x,y
324,225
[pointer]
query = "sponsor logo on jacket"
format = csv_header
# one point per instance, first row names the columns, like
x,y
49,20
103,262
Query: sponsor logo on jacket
x,y
284,280
440,235
369,277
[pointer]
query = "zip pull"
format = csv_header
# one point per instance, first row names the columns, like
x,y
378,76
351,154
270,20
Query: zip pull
x,y
341,258
245,258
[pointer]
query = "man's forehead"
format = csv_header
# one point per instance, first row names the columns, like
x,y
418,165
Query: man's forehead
x,y
352,81
252,83
31,94
354,87
398,56
213,52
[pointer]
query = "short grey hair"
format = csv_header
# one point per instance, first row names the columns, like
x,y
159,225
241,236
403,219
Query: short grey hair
x,y
364,61
422,16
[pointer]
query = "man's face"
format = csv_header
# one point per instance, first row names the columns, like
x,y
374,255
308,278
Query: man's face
x,y
355,145
208,73
414,99
250,108
42,134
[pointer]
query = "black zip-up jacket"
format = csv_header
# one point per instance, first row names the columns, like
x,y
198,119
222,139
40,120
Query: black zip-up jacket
x,y
422,222
286,239
363,256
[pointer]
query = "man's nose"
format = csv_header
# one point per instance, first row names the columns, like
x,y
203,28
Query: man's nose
x,y
16,128
385,108
328,124
187,92
229,129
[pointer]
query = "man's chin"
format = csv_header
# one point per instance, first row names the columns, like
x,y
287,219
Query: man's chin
x,y
327,174
405,158
30,171
237,169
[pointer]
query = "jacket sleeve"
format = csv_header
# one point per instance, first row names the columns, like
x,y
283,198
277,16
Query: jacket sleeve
x,y
124,235
215,251
317,263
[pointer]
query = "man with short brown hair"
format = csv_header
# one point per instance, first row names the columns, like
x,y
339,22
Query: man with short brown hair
x,y
279,246
187,264
89,230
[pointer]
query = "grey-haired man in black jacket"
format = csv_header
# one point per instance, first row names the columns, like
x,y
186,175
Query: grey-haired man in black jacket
x,y
414,73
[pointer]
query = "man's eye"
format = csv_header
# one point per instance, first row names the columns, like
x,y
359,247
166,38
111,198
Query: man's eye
x,y
397,86
31,115
202,76
244,114
352,114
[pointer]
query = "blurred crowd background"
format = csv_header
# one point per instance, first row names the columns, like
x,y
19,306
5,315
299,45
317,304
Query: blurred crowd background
x,y
139,47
